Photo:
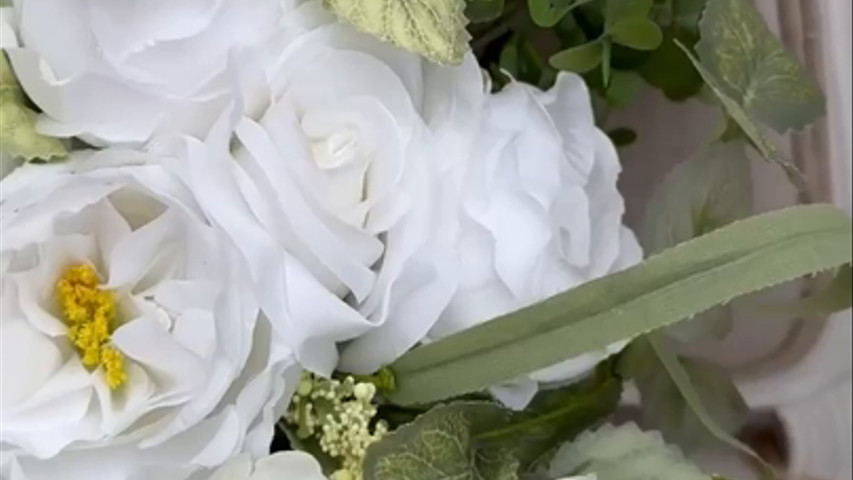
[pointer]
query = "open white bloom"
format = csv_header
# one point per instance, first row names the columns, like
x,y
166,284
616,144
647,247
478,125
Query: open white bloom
x,y
279,466
118,71
131,345
333,188
541,214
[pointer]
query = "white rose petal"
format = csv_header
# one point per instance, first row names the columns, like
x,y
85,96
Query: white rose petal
x,y
120,71
540,214
289,465
335,186
203,381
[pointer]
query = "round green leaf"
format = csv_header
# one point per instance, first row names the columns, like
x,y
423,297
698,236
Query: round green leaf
x,y
637,33
547,13
579,59
479,11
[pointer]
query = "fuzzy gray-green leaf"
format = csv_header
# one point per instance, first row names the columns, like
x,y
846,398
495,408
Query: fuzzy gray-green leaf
x,y
741,258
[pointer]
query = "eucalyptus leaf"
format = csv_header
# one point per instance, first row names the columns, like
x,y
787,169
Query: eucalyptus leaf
x,y
741,258
624,453
432,28
18,135
440,445
664,407
636,33
580,59
750,66
681,378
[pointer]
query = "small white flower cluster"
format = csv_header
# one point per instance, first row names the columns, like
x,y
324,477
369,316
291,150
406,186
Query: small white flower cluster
x,y
338,414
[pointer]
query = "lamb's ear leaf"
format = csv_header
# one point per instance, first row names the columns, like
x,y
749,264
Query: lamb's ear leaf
x,y
734,260
432,28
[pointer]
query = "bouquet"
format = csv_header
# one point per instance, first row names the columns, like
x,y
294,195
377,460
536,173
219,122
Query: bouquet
x,y
379,239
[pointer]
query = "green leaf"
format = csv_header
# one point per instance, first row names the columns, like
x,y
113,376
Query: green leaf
x,y
440,445
636,33
623,89
555,416
750,66
699,195
708,191
547,13
479,11
624,453
741,258
18,135
580,59
693,398
620,10
432,28
663,405
669,69
524,62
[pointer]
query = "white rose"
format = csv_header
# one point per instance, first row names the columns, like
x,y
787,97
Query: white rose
x,y
119,71
279,466
130,341
334,190
541,214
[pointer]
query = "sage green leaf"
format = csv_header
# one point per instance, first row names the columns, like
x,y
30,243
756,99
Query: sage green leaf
x,y
440,445
667,67
580,59
694,276
624,453
664,407
479,11
701,194
18,136
750,65
555,416
636,33
707,191
547,13
432,28
693,398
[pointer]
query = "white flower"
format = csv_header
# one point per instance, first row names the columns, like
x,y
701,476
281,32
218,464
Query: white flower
x,y
130,341
541,214
120,71
279,466
333,189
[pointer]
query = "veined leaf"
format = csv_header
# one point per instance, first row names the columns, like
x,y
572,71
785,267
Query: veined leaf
x,y
741,258
750,65
18,136
624,453
440,445
432,28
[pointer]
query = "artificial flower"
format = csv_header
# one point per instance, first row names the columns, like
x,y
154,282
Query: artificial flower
x,y
131,344
120,71
282,465
540,214
333,187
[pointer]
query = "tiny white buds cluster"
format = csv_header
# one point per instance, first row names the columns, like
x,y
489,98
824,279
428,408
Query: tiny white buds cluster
x,y
339,415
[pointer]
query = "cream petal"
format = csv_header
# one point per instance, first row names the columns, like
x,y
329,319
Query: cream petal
x,y
27,360
121,408
298,465
238,468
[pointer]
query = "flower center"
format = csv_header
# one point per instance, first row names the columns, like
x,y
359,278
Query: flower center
x,y
90,314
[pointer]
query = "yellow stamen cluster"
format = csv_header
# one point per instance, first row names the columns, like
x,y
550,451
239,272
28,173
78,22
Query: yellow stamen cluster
x,y
338,414
90,314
